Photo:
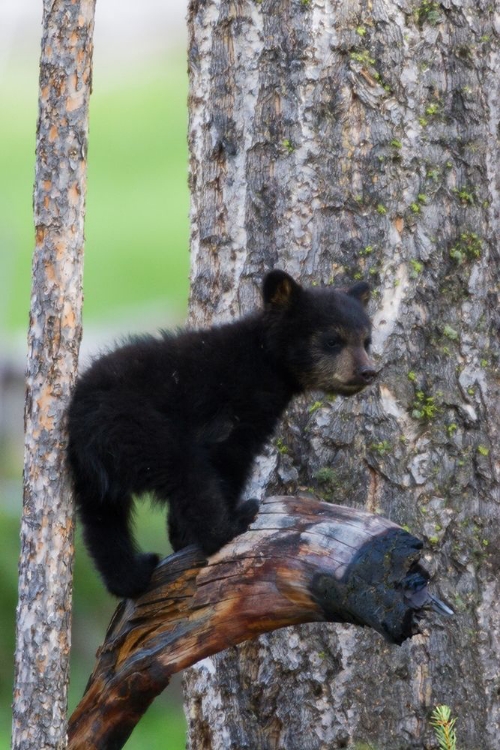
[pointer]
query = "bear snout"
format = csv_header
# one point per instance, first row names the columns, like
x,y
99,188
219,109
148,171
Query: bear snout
x,y
367,374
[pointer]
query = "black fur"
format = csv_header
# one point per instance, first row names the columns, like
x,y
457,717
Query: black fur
x,y
184,416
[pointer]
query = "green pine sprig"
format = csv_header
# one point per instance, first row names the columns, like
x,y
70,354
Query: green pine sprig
x,y
444,726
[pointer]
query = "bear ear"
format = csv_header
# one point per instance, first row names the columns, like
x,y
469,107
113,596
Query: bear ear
x,y
279,290
361,292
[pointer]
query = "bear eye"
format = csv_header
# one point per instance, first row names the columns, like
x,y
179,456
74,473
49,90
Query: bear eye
x,y
333,343
368,343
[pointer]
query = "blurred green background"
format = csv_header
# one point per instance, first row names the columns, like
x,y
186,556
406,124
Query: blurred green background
x,y
136,274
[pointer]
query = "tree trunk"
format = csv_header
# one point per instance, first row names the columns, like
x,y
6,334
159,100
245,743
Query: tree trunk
x,y
360,140
45,569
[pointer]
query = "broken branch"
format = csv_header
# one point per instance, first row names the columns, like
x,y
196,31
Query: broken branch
x,y
301,561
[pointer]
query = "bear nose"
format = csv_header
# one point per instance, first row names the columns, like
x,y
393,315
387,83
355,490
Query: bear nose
x,y
368,374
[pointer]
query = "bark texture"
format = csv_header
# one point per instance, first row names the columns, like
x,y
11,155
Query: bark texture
x,y
45,570
301,561
337,141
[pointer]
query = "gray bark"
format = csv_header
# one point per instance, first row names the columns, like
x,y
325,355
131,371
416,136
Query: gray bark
x,y
344,140
46,562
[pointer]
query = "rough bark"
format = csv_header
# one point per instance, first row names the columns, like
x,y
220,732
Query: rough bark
x,y
301,561
344,140
45,569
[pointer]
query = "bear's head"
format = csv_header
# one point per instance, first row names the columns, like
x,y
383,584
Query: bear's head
x,y
320,336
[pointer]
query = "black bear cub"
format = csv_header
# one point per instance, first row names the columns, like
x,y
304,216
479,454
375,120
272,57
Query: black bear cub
x,y
184,416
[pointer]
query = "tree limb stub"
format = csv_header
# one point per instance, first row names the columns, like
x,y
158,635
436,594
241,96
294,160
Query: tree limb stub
x,y
301,561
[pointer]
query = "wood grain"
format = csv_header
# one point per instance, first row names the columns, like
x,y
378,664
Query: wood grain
x,y
301,561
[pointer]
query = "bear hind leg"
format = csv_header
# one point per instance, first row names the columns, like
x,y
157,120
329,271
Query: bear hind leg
x,y
108,537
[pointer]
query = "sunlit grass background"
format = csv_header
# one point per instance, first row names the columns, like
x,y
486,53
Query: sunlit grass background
x,y
136,277
137,206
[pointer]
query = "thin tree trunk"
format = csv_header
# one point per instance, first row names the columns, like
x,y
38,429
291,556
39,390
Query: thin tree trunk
x,y
46,562
344,140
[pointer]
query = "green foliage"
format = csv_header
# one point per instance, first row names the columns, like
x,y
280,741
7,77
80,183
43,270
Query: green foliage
x,y
468,247
363,57
429,12
416,267
381,448
432,109
368,250
328,482
314,407
465,195
9,554
326,476
137,215
444,727
424,407
137,205
281,447
450,333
